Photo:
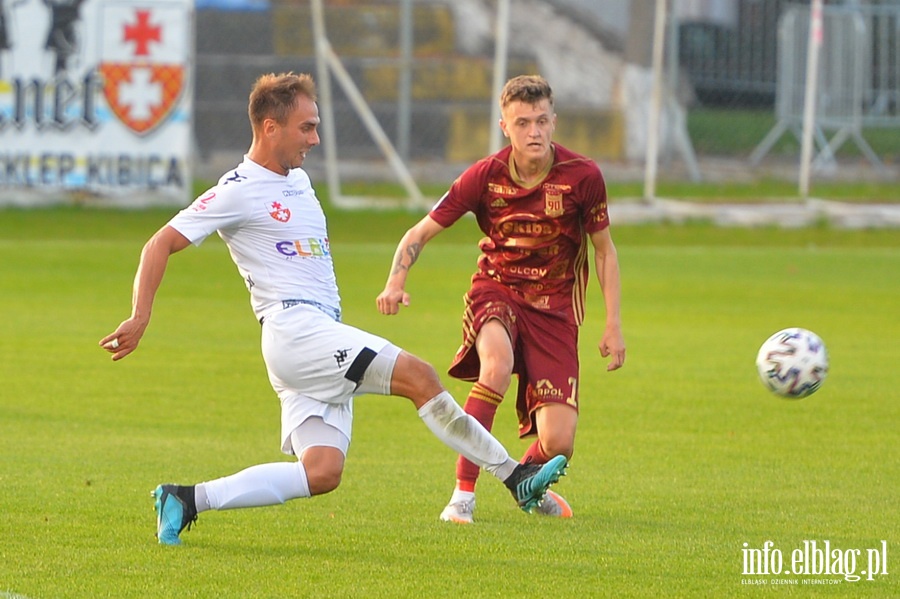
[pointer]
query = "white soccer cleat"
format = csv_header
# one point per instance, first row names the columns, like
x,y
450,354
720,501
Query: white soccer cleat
x,y
461,512
554,505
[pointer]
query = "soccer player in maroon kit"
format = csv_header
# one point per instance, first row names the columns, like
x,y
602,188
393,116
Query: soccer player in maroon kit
x,y
538,204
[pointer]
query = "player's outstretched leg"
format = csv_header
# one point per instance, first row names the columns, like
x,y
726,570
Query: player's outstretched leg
x,y
529,482
175,511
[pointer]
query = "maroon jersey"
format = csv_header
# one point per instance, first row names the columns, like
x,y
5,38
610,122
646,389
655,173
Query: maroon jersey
x,y
535,242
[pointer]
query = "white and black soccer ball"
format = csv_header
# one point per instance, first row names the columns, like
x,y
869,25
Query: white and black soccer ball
x,y
792,363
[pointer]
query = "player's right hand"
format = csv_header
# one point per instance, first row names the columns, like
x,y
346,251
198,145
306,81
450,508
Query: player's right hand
x,y
390,300
124,339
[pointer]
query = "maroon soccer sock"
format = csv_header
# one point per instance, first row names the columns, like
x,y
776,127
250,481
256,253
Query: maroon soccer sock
x,y
481,404
535,454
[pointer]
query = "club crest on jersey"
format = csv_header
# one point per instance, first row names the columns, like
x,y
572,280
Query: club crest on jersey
x,y
278,211
553,199
553,203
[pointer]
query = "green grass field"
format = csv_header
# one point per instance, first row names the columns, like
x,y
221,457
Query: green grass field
x,y
682,456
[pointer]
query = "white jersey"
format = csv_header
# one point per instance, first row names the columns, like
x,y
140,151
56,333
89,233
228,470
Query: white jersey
x,y
275,229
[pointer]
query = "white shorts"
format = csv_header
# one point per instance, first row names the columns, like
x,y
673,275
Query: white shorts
x,y
317,365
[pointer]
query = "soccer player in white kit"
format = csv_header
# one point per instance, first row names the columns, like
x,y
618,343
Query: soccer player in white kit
x,y
267,213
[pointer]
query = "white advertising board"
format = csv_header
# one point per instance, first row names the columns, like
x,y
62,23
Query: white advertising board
x,y
95,101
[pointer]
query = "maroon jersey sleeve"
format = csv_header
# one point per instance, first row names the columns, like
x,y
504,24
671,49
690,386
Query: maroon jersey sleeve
x,y
464,194
590,190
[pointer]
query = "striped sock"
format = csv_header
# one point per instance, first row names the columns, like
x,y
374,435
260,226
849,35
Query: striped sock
x,y
481,404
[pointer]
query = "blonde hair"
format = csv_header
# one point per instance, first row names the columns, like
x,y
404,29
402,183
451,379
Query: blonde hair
x,y
274,96
529,89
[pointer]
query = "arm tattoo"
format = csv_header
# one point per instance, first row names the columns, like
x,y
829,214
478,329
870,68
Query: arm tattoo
x,y
413,250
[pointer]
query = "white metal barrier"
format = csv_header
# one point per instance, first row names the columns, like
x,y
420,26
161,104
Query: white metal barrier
x,y
858,78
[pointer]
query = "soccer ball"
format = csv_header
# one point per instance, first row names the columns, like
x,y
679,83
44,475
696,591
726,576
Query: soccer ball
x,y
792,363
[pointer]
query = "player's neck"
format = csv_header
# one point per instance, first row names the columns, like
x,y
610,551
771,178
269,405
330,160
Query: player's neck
x,y
530,172
265,159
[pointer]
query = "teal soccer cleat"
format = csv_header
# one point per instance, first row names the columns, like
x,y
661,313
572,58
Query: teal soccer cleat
x,y
529,482
175,511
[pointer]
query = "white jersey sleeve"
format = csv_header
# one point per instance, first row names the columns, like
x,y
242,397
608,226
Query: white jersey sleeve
x,y
276,232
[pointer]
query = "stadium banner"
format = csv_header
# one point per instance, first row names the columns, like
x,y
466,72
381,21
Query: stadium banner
x,y
96,102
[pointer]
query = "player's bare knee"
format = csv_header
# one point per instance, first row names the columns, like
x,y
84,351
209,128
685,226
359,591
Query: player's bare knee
x,y
323,479
416,379
554,445
324,466
495,373
495,377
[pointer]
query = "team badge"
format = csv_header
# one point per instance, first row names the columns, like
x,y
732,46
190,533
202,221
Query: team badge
x,y
553,203
553,199
142,62
278,211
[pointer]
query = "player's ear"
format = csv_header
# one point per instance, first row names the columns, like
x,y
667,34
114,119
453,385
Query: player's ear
x,y
269,126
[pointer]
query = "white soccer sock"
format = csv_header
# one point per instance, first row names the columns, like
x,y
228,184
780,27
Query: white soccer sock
x,y
465,435
257,486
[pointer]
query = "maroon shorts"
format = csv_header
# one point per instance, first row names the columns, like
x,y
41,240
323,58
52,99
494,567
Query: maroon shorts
x,y
545,347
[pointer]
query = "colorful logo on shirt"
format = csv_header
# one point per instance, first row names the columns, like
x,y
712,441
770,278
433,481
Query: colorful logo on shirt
x,y
304,248
278,211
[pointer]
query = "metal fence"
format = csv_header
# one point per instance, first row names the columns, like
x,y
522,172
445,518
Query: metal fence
x,y
758,63
844,87
729,59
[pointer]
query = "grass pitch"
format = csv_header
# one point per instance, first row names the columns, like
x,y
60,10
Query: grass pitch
x,y
682,456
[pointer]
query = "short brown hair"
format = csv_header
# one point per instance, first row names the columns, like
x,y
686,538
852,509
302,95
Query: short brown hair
x,y
273,96
529,89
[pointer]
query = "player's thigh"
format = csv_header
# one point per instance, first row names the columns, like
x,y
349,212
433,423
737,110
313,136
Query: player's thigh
x,y
315,432
495,352
487,305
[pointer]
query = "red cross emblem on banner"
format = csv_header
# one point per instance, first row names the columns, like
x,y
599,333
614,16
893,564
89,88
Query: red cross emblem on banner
x,y
143,62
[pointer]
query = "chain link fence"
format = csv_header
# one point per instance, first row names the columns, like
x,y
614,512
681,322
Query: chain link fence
x,y
746,74
431,92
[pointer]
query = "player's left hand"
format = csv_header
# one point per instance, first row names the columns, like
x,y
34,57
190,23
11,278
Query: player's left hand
x,y
612,345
